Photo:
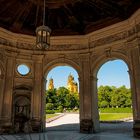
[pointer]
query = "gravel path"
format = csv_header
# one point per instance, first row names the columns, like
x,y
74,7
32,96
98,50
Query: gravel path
x,y
66,122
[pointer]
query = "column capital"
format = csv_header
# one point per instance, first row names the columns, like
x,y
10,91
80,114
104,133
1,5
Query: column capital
x,y
93,78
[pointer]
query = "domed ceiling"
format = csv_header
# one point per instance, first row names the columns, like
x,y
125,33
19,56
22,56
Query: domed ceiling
x,y
64,17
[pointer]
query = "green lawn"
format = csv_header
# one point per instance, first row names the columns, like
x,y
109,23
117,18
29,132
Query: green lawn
x,y
48,116
103,116
114,116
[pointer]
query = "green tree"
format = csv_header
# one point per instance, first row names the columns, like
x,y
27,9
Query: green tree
x,y
49,106
72,100
51,97
62,92
104,94
110,96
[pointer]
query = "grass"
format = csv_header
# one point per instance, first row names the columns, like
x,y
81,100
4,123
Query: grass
x,y
103,116
48,116
114,116
116,110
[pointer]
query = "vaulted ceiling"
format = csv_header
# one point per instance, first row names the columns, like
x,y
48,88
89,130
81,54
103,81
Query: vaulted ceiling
x,y
64,17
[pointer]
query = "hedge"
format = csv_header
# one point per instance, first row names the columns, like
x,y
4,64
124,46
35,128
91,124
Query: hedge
x,y
50,111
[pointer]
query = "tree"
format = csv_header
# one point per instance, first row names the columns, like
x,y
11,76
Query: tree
x,y
104,104
104,94
51,97
72,100
114,97
49,106
62,92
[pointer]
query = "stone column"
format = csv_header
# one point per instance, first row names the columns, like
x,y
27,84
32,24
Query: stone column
x,y
43,103
135,82
36,107
86,123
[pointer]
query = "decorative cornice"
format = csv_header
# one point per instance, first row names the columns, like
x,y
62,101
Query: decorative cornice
x,y
128,35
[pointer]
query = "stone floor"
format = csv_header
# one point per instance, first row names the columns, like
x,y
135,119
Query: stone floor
x,y
57,130
69,135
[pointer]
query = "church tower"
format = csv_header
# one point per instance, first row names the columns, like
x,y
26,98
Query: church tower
x,y
50,85
71,84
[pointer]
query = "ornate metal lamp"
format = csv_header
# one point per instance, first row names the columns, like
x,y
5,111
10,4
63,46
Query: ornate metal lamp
x,y
43,34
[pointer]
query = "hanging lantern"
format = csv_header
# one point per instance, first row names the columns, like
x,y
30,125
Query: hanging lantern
x,y
43,34
43,37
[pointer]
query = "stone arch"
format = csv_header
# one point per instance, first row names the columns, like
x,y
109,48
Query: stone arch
x,y
103,59
61,62
94,70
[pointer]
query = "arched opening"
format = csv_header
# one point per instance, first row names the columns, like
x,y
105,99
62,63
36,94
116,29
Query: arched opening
x,y
21,110
62,98
114,97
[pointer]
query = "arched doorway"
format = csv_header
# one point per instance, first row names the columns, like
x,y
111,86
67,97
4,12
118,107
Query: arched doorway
x,y
114,97
63,83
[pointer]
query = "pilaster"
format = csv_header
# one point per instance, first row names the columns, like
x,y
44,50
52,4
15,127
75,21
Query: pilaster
x,y
6,115
1,93
36,107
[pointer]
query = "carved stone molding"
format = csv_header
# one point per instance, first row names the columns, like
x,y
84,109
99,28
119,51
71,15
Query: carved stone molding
x,y
117,37
132,32
108,52
19,45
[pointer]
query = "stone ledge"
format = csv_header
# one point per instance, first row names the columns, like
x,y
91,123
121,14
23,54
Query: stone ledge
x,y
54,118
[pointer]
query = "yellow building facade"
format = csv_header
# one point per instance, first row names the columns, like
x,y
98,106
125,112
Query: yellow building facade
x,y
51,84
72,85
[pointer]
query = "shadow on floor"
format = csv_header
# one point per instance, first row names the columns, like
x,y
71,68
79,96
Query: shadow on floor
x,y
65,127
121,127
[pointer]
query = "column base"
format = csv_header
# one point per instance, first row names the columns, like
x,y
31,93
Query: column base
x,y
136,128
86,126
6,127
36,125
31,126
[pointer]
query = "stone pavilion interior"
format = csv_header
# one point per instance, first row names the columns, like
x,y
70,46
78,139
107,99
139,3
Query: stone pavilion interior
x,y
84,35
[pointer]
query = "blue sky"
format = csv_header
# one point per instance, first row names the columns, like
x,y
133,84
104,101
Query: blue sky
x,y
113,73
60,75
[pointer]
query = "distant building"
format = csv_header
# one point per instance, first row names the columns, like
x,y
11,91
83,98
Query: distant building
x,y
50,85
71,84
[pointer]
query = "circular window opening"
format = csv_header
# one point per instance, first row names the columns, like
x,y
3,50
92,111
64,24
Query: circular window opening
x,y
23,69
